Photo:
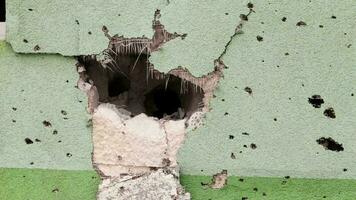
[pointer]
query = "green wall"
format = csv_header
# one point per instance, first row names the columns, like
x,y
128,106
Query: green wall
x,y
288,66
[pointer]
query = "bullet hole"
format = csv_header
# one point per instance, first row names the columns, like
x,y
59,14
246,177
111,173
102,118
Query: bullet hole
x,y
259,38
248,90
255,189
69,155
65,118
244,133
253,146
233,156
333,17
13,121
329,112
77,22
30,9
316,101
89,33
63,112
303,85
321,26
55,190
349,45
14,109
287,54
119,15
284,182
301,23
55,132
32,163
330,144
264,194
231,137
275,119
250,5
352,94
67,81
240,152
226,114
59,141
37,140
284,19
345,170
119,157
263,60
324,197
47,123
226,13
222,99
262,23
36,48
244,17
278,66
28,141
25,41
245,146
244,198
287,177
289,98
241,180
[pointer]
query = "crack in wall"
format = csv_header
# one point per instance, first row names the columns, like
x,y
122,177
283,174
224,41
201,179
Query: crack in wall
x,y
131,143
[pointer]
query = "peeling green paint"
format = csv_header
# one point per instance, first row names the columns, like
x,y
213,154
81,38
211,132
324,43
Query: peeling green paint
x,y
35,89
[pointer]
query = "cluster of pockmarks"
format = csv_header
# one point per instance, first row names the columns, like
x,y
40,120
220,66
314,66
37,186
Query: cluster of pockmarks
x,y
330,144
251,146
316,101
33,141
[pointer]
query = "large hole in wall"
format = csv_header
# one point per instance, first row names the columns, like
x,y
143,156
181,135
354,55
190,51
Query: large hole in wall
x,y
130,82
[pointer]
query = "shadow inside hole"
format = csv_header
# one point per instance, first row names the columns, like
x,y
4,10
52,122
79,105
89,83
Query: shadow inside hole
x,y
117,85
128,83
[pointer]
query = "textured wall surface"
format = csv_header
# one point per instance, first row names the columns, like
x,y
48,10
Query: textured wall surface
x,y
282,63
44,120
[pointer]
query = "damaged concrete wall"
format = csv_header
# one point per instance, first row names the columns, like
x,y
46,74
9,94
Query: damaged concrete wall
x,y
261,123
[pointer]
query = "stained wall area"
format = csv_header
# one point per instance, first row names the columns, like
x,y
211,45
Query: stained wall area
x,y
266,117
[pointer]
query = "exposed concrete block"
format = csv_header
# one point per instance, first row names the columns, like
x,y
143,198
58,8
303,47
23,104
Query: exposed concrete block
x,y
139,141
161,184
120,171
175,131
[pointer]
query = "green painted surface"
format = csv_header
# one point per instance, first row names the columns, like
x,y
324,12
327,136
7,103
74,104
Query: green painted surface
x,y
271,189
34,89
277,115
319,62
35,184
53,27
208,25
